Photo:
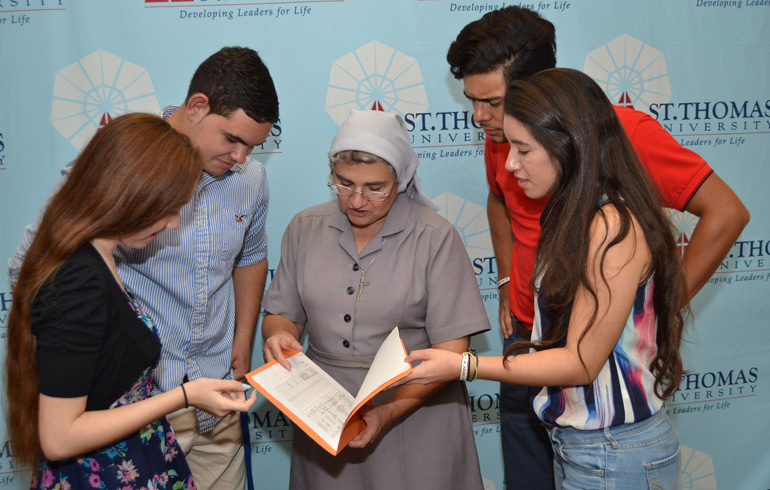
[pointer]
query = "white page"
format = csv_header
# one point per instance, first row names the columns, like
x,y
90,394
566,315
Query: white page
x,y
321,402
308,391
388,363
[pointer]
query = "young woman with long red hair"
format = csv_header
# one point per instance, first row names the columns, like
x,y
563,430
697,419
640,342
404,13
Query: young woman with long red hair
x,y
80,348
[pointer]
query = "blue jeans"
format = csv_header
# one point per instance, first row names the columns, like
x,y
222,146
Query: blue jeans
x,y
638,456
527,453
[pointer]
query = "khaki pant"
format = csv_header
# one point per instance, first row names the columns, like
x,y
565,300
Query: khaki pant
x,y
216,458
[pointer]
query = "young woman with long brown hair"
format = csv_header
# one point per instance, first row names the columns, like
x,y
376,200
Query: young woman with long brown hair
x,y
80,348
610,292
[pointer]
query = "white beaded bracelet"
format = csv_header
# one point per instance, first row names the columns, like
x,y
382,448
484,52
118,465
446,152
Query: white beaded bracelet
x,y
465,366
502,282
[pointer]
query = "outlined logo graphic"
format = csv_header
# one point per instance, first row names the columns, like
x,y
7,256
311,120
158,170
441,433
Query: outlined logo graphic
x,y
634,74
746,260
697,470
377,77
471,223
94,90
684,224
631,73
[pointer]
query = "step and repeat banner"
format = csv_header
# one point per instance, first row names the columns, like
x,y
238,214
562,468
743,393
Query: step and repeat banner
x,y
700,67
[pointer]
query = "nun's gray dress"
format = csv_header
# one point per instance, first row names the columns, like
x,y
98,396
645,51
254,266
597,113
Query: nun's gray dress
x,y
422,281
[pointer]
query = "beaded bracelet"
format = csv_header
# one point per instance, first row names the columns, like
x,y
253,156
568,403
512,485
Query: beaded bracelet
x,y
464,366
472,359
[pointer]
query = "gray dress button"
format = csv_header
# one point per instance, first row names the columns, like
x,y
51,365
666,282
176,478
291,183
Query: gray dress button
x,y
347,318
350,290
346,343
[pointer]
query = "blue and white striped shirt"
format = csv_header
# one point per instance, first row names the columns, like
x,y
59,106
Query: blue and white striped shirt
x,y
184,278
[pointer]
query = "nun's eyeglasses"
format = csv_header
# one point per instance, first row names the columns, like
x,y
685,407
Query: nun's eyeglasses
x,y
344,191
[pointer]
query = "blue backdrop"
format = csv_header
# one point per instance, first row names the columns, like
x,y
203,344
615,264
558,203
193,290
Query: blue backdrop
x,y
699,66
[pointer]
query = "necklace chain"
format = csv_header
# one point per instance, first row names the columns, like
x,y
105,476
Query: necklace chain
x,y
363,281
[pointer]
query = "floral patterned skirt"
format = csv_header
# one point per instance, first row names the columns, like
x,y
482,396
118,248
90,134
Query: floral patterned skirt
x,y
148,459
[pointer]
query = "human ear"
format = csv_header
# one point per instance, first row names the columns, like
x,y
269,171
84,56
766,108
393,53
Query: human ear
x,y
197,107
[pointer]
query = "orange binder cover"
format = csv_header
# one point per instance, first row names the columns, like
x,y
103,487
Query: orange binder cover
x,y
316,403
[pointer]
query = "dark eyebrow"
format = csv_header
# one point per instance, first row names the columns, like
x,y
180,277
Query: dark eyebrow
x,y
488,101
238,139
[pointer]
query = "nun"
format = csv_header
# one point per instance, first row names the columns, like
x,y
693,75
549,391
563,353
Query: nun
x,y
351,269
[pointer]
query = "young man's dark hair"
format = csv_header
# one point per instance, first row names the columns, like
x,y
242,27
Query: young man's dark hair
x,y
236,78
513,37
489,54
231,108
